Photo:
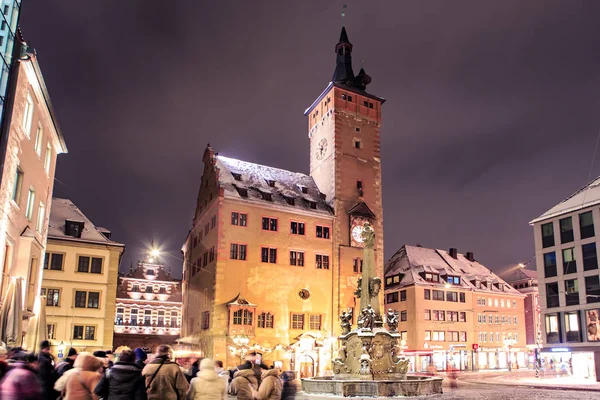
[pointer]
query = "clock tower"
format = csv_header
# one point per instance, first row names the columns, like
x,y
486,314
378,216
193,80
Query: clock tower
x,y
343,130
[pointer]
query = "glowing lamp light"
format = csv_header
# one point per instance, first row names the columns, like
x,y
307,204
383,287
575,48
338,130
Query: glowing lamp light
x,y
521,265
155,253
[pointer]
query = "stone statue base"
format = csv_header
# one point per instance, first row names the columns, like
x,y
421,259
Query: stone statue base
x,y
367,355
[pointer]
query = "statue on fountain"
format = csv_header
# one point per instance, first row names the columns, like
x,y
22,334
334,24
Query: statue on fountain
x,y
346,321
392,320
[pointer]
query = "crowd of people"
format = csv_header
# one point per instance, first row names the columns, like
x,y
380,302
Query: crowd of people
x,y
134,375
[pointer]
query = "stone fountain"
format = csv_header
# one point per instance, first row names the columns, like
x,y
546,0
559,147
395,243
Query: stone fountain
x,y
370,359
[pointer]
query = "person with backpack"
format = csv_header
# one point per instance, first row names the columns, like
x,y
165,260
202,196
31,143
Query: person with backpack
x,y
67,363
123,381
163,377
243,385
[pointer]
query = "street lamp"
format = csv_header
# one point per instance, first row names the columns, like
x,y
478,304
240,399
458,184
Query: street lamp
x,y
61,349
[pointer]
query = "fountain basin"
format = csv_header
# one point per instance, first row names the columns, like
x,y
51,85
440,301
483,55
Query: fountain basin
x,y
410,386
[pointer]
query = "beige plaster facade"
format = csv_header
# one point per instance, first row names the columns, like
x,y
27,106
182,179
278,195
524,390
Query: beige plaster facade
x,y
80,281
31,140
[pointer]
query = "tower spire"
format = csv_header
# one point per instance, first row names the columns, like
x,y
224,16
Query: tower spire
x,y
343,63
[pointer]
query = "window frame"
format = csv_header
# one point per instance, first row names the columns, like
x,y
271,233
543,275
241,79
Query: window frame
x,y
325,232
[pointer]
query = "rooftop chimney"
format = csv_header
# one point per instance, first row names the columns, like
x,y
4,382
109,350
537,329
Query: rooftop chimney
x,y
419,245
453,253
470,256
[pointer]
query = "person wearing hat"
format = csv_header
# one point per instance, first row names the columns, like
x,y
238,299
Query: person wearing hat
x,y
101,354
123,381
206,385
67,363
140,357
46,370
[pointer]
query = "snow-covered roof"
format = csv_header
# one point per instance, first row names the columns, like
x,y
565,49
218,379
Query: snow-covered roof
x,y
521,275
411,261
63,210
587,196
260,181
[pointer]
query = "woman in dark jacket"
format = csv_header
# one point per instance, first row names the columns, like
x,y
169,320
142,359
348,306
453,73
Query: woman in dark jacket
x,y
123,381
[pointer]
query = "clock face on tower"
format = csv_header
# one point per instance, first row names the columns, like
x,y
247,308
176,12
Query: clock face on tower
x,y
321,149
356,230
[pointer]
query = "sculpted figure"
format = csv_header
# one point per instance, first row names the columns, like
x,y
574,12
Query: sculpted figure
x,y
345,319
392,320
374,286
368,235
358,290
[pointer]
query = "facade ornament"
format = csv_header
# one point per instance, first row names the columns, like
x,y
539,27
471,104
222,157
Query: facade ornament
x,y
346,321
368,235
392,320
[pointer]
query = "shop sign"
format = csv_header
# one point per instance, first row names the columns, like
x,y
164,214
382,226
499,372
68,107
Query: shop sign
x,y
462,345
436,347
559,350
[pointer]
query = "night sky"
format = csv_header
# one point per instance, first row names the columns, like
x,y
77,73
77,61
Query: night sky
x,y
491,115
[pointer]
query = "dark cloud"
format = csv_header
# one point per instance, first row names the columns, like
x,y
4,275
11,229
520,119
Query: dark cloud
x,y
491,115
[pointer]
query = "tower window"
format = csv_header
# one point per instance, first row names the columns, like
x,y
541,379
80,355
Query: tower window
x,y
350,98
366,103
357,144
357,129
343,96
370,105
359,185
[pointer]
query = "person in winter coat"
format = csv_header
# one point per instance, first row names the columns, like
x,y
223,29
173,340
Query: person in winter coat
x,y
123,381
21,382
289,388
224,375
163,377
270,387
67,363
207,385
243,383
83,378
3,363
46,370
140,357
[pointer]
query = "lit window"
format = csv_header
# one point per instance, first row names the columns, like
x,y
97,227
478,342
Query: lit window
x,y
30,204
41,217
28,115
48,158
18,185
39,135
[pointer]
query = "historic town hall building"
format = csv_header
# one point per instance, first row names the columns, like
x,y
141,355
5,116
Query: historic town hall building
x,y
273,256
148,306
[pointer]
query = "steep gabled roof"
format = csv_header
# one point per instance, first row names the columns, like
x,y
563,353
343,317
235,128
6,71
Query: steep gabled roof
x,y
262,182
62,210
411,261
362,210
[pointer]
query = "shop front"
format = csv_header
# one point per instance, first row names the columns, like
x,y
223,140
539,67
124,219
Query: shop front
x,y
568,362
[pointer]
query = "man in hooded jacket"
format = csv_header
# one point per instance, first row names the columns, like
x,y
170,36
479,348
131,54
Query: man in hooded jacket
x,y
123,381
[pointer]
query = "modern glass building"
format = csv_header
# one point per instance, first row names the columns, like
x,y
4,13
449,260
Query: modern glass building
x,y
10,10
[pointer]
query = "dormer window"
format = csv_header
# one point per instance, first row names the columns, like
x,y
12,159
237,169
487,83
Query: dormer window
x,y
290,200
311,204
236,176
150,272
453,280
243,192
430,277
304,189
73,228
267,196
270,182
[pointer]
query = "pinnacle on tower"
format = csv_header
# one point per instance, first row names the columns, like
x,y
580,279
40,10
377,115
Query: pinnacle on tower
x,y
343,69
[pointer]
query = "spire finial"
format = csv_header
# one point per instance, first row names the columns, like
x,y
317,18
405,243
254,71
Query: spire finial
x,y
344,7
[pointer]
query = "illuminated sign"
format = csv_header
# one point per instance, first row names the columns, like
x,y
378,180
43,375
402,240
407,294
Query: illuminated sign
x,y
559,349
